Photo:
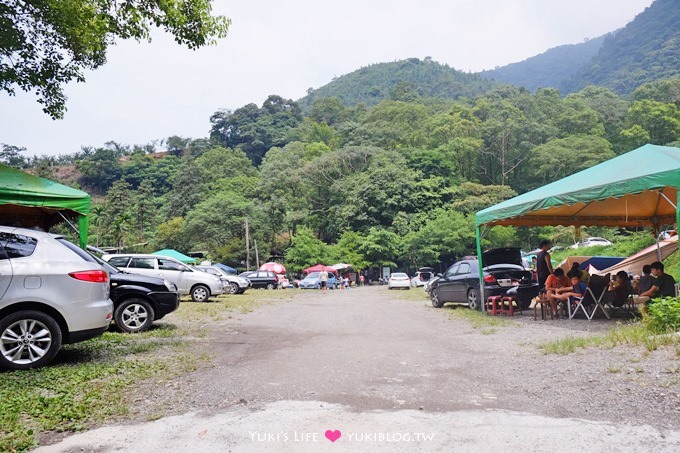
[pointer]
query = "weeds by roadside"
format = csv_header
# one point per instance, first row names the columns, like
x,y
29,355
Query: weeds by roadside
x,y
84,386
635,334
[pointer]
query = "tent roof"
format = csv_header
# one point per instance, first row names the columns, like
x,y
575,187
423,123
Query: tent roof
x,y
19,188
31,201
175,254
634,189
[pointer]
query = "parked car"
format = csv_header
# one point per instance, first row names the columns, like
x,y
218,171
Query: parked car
x,y
503,270
233,284
199,285
311,281
399,280
260,279
591,242
423,275
51,293
139,300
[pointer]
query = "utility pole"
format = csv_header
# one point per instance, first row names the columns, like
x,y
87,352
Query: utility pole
x,y
247,246
257,255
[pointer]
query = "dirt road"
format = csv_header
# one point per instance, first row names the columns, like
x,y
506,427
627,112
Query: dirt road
x,y
366,370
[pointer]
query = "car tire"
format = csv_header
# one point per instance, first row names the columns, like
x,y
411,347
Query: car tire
x,y
134,315
233,288
200,293
434,297
36,350
270,286
473,299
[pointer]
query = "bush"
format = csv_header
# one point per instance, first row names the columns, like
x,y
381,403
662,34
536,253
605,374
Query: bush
x,y
664,315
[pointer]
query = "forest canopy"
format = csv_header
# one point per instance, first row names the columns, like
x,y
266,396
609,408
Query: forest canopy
x,y
394,184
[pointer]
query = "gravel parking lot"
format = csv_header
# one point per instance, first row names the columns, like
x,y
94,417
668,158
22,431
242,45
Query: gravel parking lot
x,y
375,370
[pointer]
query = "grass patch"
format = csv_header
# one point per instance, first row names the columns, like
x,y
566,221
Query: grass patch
x,y
85,385
633,334
479,320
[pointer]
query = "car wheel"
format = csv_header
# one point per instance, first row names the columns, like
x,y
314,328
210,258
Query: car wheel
x,y
270,286
200,293
434,297
30,339
233,288
473,299
134,315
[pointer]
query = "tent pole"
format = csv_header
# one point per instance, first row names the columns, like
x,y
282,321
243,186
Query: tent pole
x,y
83,227
482,297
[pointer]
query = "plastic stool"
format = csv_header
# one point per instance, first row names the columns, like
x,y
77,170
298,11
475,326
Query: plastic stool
x,y
493,305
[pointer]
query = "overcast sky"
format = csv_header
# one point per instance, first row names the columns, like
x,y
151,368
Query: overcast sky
x,y
148,92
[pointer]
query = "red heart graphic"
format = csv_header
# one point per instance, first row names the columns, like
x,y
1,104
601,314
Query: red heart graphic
x,y
333,435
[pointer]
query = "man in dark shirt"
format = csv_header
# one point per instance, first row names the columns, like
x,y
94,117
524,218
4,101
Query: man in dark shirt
x,y
543,264
663,284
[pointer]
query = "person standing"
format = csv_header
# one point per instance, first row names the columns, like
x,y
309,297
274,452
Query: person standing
x,y
543,264
323,280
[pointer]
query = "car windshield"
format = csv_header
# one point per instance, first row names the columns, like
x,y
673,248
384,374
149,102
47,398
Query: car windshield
x,y
399,275
312,275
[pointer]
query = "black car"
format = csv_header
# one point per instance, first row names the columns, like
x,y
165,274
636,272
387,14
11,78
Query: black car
x,y
504,270
260,279
139,300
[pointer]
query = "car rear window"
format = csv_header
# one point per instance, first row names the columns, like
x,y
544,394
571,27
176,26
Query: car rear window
x,y
16,245
77,250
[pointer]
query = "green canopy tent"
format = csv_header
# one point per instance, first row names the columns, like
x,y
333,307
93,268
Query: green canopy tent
x,y
177,255
31,201
639,188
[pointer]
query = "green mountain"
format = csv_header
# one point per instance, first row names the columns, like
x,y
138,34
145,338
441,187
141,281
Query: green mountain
x,y
645,50
549,69
401,80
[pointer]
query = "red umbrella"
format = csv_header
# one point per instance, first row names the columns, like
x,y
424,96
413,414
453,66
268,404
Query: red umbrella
x,y
276,268
319,268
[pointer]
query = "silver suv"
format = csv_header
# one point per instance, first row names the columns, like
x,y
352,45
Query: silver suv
x,y
233,284
189,281
51,293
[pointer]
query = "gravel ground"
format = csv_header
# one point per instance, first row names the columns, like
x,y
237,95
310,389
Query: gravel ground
x,y
370,359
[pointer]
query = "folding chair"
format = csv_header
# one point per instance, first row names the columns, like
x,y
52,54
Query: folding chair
x,y
592,299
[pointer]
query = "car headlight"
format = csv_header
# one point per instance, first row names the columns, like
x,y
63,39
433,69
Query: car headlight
x,y
171,286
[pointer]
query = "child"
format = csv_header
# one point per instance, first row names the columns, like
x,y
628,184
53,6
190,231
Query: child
x,y
570,293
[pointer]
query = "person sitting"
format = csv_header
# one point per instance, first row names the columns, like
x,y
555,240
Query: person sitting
x,y
583,274
573,293
553,283
663,285
619,289
646,280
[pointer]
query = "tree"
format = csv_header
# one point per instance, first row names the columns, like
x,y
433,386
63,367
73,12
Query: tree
x,y
565,156
660,120
305,250
255,130
381,247
10,155
46,44
99,170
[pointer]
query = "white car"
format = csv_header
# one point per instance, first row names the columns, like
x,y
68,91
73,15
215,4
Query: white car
x,y
233,284
399,280
51,293
200,285
591,242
